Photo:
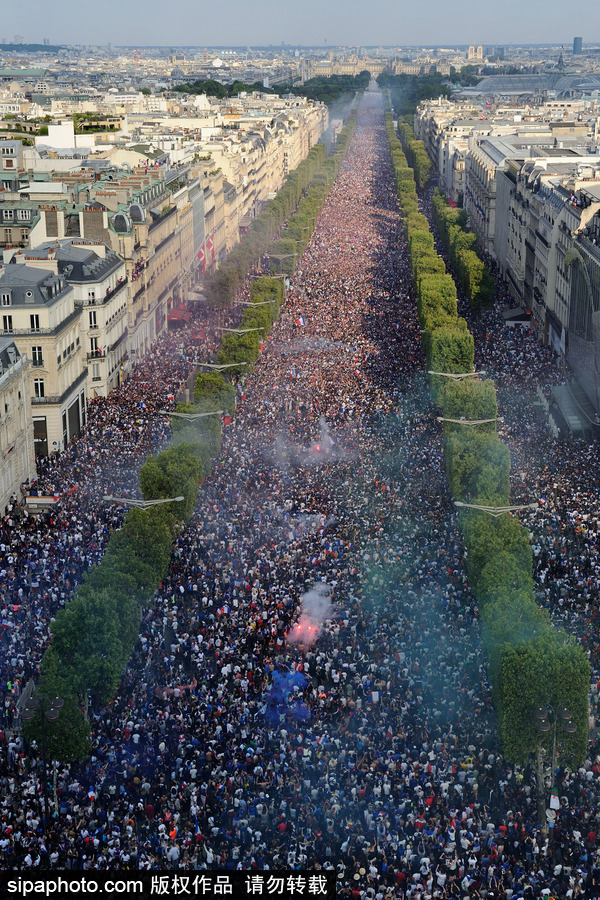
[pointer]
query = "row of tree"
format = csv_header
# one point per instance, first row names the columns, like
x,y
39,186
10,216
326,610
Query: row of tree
x,y
324,89
416,154
475,277
298,204
532,664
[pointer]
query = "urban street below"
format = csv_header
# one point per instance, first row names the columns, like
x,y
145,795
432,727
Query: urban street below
x,y
310,688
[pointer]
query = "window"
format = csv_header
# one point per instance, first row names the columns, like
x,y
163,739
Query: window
x,y
94,346
7,325
38,388
93,322
34,321
9,163
9,215
5,299
24,215
91,295
96,372
36,356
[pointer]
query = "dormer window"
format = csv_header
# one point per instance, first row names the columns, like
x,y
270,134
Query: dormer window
x,y
5,298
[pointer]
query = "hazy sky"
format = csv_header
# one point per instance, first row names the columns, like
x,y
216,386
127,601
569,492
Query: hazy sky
x,y
335,22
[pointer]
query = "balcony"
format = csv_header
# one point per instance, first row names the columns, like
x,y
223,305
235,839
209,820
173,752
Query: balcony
x,y
100,301
66,323
96,354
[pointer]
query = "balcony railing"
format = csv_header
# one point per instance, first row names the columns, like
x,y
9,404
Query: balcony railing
x,y
24,332
100,301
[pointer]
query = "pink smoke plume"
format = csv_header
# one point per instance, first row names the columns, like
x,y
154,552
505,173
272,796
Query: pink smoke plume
x,y
315,608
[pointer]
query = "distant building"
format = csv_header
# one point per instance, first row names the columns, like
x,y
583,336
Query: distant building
x,y
577,46
12,173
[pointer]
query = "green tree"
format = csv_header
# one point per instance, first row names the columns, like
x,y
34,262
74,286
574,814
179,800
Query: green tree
x,y
212,391
239,348
142,547
88,646
548,670
67,738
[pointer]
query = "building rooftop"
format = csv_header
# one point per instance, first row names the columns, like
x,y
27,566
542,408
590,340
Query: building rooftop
x,y
77,261
30,285
9,354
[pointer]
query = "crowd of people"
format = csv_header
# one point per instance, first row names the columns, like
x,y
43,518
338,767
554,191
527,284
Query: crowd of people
x,y
308,689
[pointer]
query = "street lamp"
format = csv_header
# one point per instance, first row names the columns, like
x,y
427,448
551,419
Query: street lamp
x,y
278,257
50,710
258,303
456,375
470,421
191,416
218,368
239,330
496,511
548,718
141,504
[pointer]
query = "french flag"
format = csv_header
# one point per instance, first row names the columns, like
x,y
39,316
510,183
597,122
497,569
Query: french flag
x,y
301,321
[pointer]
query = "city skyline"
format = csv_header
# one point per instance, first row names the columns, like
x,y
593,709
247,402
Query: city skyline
x,y
337,23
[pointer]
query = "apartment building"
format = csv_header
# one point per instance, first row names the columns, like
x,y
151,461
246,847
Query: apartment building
x,y
17,458
99,280
551,207
151,228
39,314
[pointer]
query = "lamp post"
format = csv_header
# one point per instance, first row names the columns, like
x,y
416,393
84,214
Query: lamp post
x,y
50,710
239,330
548,718
281,256
456,375
470,422
258,303
141,504
496,511
190,416
545,719
218,367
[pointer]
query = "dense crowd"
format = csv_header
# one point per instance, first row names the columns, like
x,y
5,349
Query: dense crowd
x,y
308,689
